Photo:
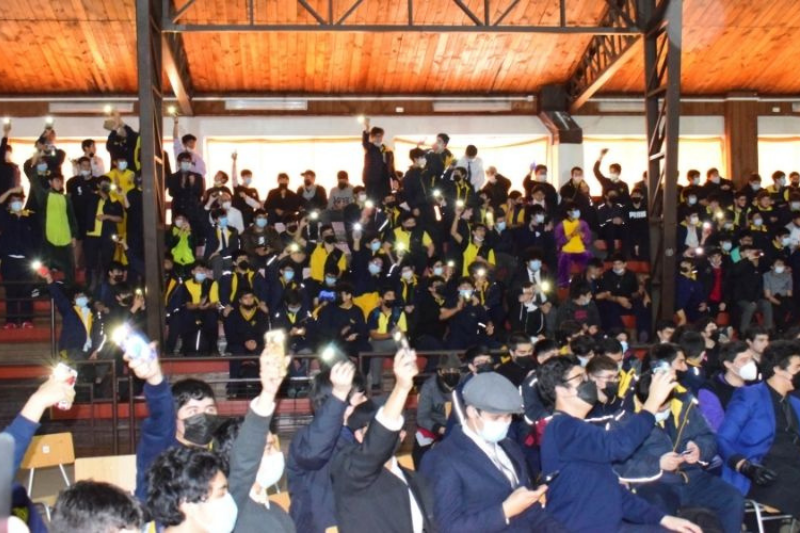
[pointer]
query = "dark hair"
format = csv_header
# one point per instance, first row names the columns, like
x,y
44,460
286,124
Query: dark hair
x,y
544,345
84,159
471,151
86,143
617,256
184,156
567,329
692,343
609,345
599,363
551,374
667,351
778,354
578,288
188,138
416,153
752,332
517,339
180,474
581,345
95,507
216,214
342,175
116,265
190,389
376,131
476,351
539,168
729,351
322,388
663,324
225,435
615,167
693,173
292,297
444,137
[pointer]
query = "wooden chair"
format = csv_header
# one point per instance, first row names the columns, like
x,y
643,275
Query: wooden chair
x,y
764,514
282,499
118,470
48,451
406,461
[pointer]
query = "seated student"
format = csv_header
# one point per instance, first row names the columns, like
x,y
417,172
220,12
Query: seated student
x,y
621,294
614,394
412,238
474,247
343,323
738,370
371,491
694,348
467,320
197,322
326,254
311,195
489,291
611,218
573,239
587,495
242,277
52,392
690,295
221,241
434,404
677,451
293,315
188,491
759,437
580,308
334,395
531,313
245,327
184,415
381,324
281,201
517,368
95,507
478,476
431,329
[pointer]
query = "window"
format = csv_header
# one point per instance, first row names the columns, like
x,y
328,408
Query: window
x,y
778,153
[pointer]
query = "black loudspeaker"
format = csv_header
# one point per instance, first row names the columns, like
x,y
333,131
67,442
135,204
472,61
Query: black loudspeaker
x,y
553,98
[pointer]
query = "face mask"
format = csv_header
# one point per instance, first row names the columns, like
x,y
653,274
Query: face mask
x,y
329,239
330,281
693,220
288,275
375,246
476,239
535,265
755,186
624,346
86,173
691,200
261,222
526,363
407,275
271,470
493,431
796,381
249,307
106,188
611,390
122,165
465,294
662,416
307,183
41,168
362,197
421,162
294,310
795,206
757,221
749,372
247,181
501,226
389,303
484,367
636,199
374,269
727,246
16,206
538,219
221,514
199,429
82,301
186,166
786,241
714,179
342,185
619,271
223,222
696,182
438,271
577,179
779,269
614,177
227,205
244,265
587,391
449,380
583,360
542,177
283,186
780,183
576,213
200,277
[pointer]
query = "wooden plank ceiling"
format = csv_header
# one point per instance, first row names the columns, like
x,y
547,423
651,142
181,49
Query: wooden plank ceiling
x,y
89,47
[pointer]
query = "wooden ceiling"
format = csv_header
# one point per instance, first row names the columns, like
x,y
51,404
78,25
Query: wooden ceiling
x,y
89,47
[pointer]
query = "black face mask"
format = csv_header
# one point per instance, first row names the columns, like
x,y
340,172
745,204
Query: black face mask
x,y
283,186
526,363
587,391
307,183
329,239
291,228
199,429
484,367
796,381
249,307
342,185
714,336
388,303
244,265
117,278
390,204
611,390
448,381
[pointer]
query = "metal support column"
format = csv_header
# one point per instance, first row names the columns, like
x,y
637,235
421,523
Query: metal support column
x,y
662,48
149,58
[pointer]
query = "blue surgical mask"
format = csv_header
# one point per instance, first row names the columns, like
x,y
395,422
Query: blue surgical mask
x,y
727,246
41,168
223,222
16,206
465,293
288,275
330,281
122,165
294,310
535,265
200,277
374,269
576,213
82,301
247,181
186,166
407,274
438,271
261,222
624,346
501,226
375,246
493,431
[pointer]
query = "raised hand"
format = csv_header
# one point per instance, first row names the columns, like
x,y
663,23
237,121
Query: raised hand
x,y
342,375
145,368
405,368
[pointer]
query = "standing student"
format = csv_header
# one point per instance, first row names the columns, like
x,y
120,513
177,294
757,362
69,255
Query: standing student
x,y
573,238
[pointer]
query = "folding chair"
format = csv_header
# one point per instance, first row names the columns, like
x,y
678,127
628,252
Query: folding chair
x,y
48,451
118,470
766,514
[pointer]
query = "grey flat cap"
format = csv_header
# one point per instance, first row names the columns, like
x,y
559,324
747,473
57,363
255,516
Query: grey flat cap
x,y
493,393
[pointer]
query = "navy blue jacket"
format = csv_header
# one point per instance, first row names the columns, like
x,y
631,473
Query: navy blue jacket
x,y
73,332
22,431
469,489
308,468
157,433
587,495
748,429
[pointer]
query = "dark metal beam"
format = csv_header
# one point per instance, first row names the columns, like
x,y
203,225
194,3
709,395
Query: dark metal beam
x,y
468,12
149,16
175,17
662,50
402,28
605,55
176,66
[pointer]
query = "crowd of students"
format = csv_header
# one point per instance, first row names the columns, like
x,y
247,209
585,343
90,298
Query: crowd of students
x,y
531,292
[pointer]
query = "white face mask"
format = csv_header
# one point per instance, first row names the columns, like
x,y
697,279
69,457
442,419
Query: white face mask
x,y
661,416
624,346
493,431
584,360
779,269
219,515
226,205
614,177
542,177
749,372
271,469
